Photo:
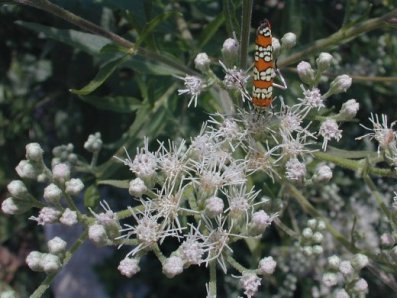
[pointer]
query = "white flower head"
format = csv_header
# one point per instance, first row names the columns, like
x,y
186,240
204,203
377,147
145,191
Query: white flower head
x,y
312,100
202,62
46,215
329,130
250,282
173,266
129,266
295,170
68,217
267,266
236,79
193,86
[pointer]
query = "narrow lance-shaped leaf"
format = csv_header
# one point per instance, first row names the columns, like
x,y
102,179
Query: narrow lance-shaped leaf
x,y
104,72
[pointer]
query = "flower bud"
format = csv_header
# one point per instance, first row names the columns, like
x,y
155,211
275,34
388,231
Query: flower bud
x,y
349,109
330,279
260,221
276,47
230,50
94,142
52,193
137,187
202,62
341,293
324,61
56,245
26,170
214,206
267,265
34,152
361,286
323,174
61,172
317,249
334,262
318,237
345,267
50,263
288,41
340,84
14,206
173,266
68,217
307,233
97,234
74,186
305,72
312,223
17,189
33,260
359,261
129,267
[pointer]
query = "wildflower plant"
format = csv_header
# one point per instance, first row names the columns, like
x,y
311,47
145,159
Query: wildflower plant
x,y
253,180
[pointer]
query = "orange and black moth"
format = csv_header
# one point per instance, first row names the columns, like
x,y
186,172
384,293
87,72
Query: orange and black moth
x,y
263,67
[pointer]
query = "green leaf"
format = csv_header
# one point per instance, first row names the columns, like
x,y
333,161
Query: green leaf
x,y
116,183
104,72
119,104
86,42
152,25
91,196
210,30
350,154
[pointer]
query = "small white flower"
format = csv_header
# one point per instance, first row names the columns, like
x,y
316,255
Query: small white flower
x,y
288,41
334,262
230,48
129,266
56,245
52,193
317,237
307,233
214,206
305,72
260,221
250,283
33,260
26,170
323,173
144,164
193,86
172,161
341,293
236,79
340,84
50,263
361,286
295,170
380,132
46,215
192,251
345,267
350,108
61,172
8,206
173,266
68,217
94,142
74,186
17,188
359,261
137,187
330,279
97,234
267,265
329,130
34,152
312,100
202,62
324,61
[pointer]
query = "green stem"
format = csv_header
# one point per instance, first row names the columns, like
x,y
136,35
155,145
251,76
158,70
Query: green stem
x,y
353,165
70,17
379,200
236,265
48,280
245,32
343,35
212,282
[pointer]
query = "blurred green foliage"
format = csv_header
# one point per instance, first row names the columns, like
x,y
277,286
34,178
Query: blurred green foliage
x,y
43,57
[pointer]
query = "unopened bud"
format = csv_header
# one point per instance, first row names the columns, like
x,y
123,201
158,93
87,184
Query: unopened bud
x,y
340,84
324,61
305,72
34,152
288,40
202,62
349,109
